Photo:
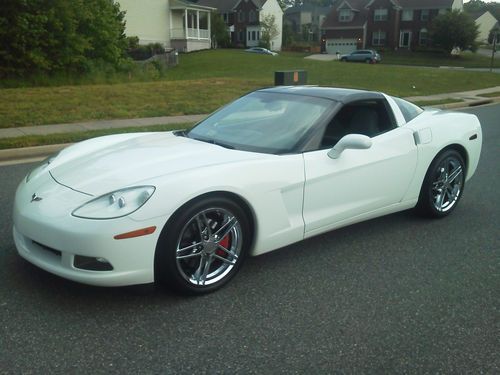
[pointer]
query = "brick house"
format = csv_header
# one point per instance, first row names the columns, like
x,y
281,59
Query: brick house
x,y
306,18
243,19
393,24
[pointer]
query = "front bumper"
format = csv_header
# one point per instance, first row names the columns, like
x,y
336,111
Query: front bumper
x,y
48,236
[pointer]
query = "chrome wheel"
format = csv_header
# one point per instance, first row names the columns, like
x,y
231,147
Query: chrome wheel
x,y
209,246
443,184
448,183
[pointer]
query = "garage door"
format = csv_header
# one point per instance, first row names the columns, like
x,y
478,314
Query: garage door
x,y
341,46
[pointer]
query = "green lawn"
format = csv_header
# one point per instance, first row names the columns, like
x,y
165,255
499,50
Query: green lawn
x,y
466,60
206,80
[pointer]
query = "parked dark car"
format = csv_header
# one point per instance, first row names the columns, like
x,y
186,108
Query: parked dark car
x,y
362,55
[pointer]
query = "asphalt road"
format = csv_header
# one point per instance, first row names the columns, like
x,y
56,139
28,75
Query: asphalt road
x,y
398,294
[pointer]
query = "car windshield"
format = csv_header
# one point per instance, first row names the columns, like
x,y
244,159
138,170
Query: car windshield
x,y
262,122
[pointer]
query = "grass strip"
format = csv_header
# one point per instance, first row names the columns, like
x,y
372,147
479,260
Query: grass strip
x,y
491,94
41,140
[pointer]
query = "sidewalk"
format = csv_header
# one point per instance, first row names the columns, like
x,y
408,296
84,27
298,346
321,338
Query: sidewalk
x,y
97,124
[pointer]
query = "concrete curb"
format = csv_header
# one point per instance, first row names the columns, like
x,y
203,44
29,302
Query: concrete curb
x,y
466,104
28,154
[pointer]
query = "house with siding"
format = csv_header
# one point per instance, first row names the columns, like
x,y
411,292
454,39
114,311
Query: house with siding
x,y
485,22
392,24
243,19
177,24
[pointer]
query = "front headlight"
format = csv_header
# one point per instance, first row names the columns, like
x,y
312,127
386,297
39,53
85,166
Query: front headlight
x,y
116,204
40,168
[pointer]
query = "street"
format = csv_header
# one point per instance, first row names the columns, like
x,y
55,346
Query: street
x,y
398,294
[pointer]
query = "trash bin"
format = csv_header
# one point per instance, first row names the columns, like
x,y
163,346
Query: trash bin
x,y
290,77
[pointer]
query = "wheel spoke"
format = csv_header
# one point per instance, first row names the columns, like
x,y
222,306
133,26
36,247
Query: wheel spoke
x,y
203,277
197,254
199,224
234,256
207,223
190,247
440,201
226,228
453,175
231,262
202,270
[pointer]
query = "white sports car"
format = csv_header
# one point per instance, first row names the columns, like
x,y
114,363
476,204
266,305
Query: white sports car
x,y
274,167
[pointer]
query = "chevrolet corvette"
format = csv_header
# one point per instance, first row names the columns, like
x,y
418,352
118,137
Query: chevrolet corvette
x,y
274,167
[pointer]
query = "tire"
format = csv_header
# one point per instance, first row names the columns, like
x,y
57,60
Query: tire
x,y
203,246
443,185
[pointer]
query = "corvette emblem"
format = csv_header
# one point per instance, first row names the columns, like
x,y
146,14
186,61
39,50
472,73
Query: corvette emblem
x,y
35,198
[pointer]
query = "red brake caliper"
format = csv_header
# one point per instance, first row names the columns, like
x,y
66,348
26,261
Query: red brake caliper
x,y
225,244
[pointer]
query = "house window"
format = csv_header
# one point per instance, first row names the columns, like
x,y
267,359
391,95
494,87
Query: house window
x,y
249,36
258,35
424,15
407,15
423,37
254,36
251,16
241,16
378,38
380,15
225,17
345,15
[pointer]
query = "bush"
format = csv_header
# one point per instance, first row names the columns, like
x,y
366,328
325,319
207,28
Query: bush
x,y
146,51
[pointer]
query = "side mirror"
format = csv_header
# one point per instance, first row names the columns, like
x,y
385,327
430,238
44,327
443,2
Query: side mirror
x,y
350,141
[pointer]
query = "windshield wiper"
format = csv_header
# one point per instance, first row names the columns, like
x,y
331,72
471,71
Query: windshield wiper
x,y
214,142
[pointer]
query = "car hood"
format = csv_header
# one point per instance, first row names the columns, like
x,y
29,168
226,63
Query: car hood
x,y
109,163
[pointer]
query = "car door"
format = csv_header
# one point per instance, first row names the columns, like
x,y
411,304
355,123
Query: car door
x,y
359,181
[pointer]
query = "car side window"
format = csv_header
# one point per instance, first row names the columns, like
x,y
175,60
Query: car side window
x,y
409,110
367,117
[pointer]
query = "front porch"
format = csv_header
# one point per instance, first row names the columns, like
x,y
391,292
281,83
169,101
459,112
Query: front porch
x,y
189,26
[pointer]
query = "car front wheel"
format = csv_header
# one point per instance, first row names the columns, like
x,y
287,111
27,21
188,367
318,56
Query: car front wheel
x,y
443,185
203,247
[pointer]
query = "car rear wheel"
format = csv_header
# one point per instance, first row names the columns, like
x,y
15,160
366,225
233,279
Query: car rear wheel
x,y
443,185
203,247
368,61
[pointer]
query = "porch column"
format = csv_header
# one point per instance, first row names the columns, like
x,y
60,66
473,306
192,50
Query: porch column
x,y
198,23
209,34
186,23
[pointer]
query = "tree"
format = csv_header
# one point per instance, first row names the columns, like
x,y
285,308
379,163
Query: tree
x,y
269,30
454,29
59,35
288,35
219,31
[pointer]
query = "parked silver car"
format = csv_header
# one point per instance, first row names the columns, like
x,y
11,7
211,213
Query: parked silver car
x,y
362,55
263,51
